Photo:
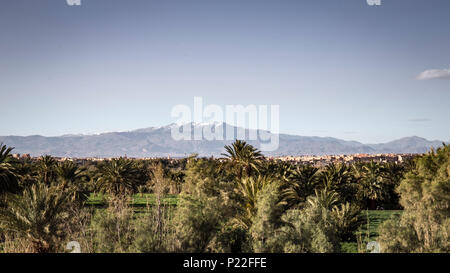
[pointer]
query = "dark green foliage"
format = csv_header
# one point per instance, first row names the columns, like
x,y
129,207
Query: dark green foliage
x,y
9,178
339,178
303,182
46,169
119,177
73,179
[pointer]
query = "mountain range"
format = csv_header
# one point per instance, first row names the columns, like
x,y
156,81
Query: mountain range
x,y
158,142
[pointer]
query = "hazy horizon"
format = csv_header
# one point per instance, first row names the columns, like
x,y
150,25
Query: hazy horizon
x,y
158,127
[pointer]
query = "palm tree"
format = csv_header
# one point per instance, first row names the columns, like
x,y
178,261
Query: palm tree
x,y
324,198
303,183
372,183
335,175
393,172
39,215
72,178
9,179
282,171
339,178
118,177
244,157
348,219
68,172
46,169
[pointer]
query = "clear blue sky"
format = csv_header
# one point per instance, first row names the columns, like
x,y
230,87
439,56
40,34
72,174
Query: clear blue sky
x,y
336,68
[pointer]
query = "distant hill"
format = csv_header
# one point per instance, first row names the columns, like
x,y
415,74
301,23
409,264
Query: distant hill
x,y
157,142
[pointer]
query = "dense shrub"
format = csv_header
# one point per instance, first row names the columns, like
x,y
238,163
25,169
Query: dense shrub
x,y
425,196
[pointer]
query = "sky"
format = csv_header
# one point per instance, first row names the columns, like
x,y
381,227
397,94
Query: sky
x,y
335,68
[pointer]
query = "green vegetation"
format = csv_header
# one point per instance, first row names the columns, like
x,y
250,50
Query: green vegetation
x,y
9,178
240,203
137,200
425,195
368,231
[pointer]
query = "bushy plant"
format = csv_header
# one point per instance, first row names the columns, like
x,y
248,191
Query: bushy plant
x,y
113,230
267,219
207,203
425,195
153,232
310,230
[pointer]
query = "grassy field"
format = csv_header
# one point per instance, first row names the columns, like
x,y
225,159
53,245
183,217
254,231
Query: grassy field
x,y
374,219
